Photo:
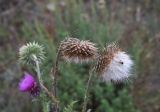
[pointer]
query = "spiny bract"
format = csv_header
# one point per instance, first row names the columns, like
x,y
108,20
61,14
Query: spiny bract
x,y
27,51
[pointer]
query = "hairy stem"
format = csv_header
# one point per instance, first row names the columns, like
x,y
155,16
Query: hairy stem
x,y
41,81
54,100
87,91
38,72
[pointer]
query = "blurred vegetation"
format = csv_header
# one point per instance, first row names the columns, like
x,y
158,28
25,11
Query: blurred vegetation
x,y
133,24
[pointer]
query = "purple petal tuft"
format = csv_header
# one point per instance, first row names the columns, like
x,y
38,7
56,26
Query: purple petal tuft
x,y
27,83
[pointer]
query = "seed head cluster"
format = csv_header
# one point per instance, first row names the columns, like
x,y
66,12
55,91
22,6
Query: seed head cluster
x,y
75,50
112,64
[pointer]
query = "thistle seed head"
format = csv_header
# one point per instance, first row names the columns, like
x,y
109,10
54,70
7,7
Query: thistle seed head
x,y
114,64
29,51
74,50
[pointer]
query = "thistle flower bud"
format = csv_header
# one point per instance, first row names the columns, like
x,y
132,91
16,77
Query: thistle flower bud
x,y
28,52
74,50
114,64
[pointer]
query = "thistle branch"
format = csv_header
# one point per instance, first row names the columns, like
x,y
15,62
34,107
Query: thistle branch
x,y
54,100
55,71
87,90
41,81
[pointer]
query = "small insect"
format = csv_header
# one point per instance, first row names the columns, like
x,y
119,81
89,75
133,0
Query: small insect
x,y
121,62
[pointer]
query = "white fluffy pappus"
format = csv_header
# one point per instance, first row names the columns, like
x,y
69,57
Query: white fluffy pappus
x,y
119,69
76,59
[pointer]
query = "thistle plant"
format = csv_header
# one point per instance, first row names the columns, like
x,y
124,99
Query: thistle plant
x,y
112,65
33,54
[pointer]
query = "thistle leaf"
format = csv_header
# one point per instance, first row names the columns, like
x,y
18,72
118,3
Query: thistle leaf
x,y
70,107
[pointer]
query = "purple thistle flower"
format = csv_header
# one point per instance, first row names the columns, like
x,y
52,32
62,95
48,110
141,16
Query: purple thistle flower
x,y
26,83
29,84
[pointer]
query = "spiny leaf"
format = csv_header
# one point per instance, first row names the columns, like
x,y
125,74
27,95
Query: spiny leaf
x,y
69,107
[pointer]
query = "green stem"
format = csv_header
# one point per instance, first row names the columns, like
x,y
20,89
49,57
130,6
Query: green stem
x,y
38,72
87,91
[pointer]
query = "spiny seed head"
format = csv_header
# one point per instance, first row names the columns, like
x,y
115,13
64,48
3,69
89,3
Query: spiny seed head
x,y
114,64
75,50
28,51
